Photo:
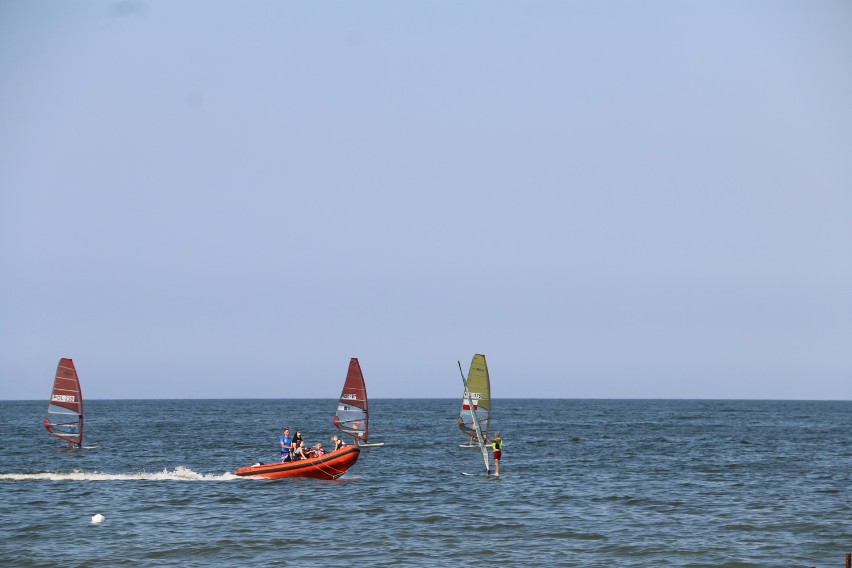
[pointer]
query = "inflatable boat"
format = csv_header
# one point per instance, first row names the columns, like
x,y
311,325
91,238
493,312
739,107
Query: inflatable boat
x,y
327,466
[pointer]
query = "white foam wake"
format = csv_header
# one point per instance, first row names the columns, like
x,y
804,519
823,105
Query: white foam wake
x,y
178,474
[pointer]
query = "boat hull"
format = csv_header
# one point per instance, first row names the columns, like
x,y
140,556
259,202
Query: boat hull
x,y
329,466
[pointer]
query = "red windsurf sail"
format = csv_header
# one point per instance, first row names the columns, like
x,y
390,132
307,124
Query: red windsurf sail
x,y
65,409
352,417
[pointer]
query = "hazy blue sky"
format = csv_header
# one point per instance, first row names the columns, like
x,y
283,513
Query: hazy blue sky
x,y
609,199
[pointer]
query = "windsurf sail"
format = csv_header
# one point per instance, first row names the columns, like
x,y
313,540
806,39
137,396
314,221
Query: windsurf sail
x,y
474,417
476,400
352,416
65,408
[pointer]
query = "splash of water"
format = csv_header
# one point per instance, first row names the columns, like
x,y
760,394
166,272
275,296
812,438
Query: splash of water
x,y
180,473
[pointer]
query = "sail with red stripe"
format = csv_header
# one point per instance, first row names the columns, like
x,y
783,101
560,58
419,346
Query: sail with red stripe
x,y
65,408
476,400
352,416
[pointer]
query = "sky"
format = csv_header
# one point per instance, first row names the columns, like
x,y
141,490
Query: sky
x,y
607,198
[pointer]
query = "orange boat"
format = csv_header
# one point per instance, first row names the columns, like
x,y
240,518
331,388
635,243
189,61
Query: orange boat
x,y
328,466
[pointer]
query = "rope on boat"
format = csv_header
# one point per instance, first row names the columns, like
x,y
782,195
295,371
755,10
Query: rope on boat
x,y
326,471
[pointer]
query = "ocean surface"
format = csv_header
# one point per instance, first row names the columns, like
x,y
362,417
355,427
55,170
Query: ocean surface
x,y
583,483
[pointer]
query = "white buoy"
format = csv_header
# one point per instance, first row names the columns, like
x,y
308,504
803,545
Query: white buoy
x,y
98,519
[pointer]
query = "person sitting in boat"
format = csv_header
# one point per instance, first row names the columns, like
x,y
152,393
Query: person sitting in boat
x,y
301,453
287,445
338,443
318,450
298,437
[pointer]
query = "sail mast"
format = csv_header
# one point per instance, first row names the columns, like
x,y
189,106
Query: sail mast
x,y
476,425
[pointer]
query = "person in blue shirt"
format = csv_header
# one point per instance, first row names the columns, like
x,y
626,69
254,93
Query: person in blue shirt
x,y
286,443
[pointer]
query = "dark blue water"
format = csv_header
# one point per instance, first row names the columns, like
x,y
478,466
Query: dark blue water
x,y
583,483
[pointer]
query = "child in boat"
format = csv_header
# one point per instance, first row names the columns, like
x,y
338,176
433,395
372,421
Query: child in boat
x,y
302,453
338,443
318,451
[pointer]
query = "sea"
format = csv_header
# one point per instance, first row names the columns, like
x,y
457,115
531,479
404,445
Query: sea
x,y
692,483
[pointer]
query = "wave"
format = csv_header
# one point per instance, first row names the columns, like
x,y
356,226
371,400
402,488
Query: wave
x,y
178,474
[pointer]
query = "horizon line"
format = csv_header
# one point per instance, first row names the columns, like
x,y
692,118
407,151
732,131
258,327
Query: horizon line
x,y
455,398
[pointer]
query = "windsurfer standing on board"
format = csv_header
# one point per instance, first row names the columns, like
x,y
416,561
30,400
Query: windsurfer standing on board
x,y
497,448
286,442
